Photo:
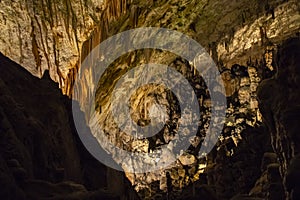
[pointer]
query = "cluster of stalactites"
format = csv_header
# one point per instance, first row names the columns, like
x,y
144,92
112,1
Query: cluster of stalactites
x,y
112,10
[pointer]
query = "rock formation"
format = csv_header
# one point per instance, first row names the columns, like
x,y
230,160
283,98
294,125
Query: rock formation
x,y
257,154
41,156
281,114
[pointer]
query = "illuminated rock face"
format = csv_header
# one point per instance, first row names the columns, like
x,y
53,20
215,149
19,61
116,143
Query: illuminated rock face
x,y
52,34
42,35
240,36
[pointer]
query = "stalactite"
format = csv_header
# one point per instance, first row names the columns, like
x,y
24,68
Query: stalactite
x,y
66,19
70,80
60,76
42,42
147,54
113,9
263,35
35,50
51,14
134,14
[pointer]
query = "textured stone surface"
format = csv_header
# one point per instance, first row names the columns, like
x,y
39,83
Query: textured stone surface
x,y
43,35
241,37
281,113
41,156
251,63
49,34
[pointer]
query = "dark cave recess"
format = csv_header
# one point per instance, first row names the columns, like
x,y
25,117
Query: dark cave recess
x,y
41,156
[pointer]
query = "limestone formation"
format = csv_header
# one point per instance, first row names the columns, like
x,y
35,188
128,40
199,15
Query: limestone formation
x,y
257,154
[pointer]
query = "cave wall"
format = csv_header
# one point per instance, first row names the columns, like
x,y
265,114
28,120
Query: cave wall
x,y
41,155
248,36
58,36
265,164
49,34
229,40
281,113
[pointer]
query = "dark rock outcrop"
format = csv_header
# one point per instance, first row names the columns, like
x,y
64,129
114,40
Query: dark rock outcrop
x,y
41,156
279,104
